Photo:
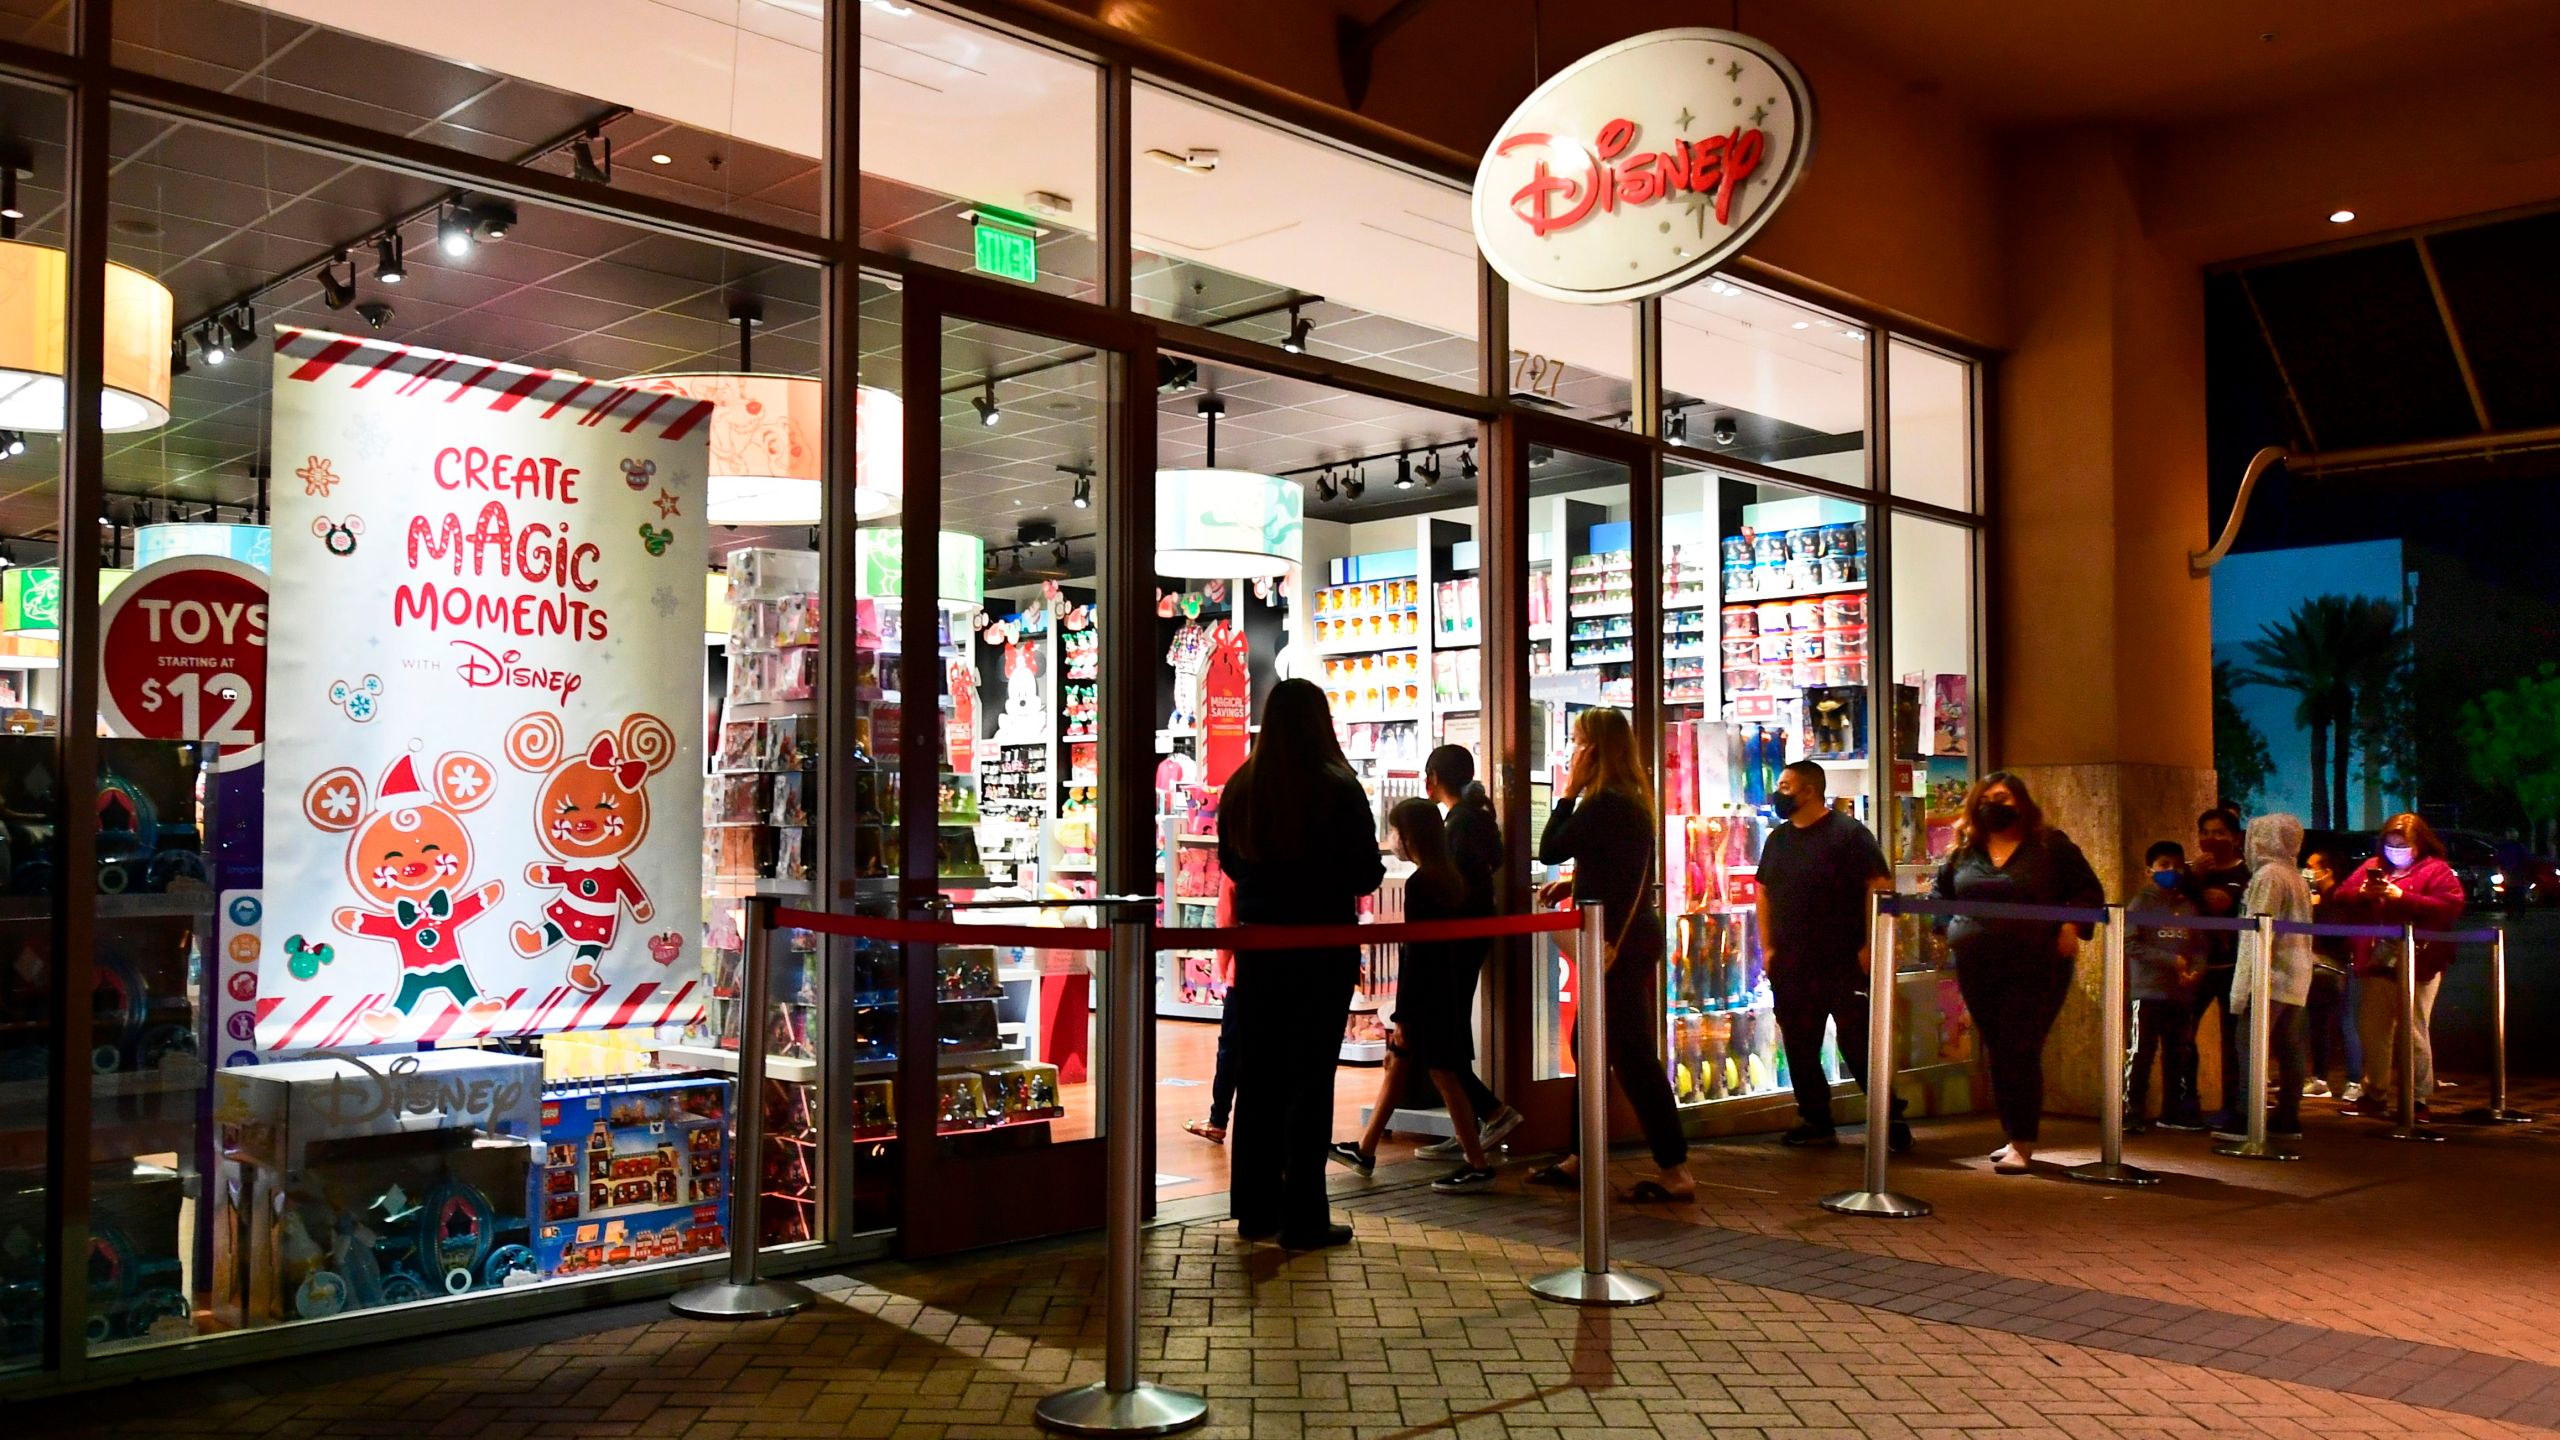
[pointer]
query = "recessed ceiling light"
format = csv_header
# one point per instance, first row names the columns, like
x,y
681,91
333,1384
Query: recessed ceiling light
x,y
662,158
1803,324
2341,217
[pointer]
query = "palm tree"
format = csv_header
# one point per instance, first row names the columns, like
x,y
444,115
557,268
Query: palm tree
x,y
2372,650
2300,654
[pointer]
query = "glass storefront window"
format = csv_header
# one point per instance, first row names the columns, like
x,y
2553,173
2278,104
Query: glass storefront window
x,y
1765,662
1752,375
1933,708
1245,227
444,741
978,151
1929,398
719,107
1572,359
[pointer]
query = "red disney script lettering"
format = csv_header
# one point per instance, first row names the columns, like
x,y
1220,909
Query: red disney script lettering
x,y
1718,165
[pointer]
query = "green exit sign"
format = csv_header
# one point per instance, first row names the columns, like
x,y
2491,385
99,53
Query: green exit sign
x,y
1008,253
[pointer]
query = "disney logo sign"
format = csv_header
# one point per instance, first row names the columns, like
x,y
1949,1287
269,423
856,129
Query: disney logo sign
x,y
395,1091
1642,166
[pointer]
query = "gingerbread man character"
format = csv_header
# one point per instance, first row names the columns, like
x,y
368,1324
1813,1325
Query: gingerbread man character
x,y
409,858
591,811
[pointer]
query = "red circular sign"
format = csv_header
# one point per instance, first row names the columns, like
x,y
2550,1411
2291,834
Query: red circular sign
x,y
183,648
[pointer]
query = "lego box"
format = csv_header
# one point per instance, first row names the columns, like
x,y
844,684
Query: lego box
x,y
633,1173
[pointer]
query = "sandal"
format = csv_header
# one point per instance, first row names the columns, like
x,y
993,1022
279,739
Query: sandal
x,y
1651,1192
1214,1134
1556,1177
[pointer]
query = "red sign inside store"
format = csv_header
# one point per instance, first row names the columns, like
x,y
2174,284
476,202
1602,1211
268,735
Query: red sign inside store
x,y
183,653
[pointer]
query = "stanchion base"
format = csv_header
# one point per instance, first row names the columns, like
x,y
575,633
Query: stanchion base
x,y
1142,1410
729,1300
2099,1172
1876,1204
2486,1116
1583,1287
2430,1136
2244,1150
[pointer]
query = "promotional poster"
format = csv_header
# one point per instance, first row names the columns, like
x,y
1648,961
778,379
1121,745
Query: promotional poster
x,y
484,809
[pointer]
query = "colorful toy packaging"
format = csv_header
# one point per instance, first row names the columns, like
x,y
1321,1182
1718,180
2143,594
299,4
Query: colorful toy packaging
x,y
633,1173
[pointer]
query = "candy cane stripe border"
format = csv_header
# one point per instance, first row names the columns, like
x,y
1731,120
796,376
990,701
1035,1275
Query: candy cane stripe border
x,y
356,362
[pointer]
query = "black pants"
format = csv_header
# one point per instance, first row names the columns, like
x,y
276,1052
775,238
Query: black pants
x,y
2167,1029
2013,998
1222,1083
1805,999
2326,1022
1480,1096
2287,1053
1289,1008
2215,995
1636,1061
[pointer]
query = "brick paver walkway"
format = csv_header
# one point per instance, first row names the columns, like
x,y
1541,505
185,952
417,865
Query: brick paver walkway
x,y
2371,1289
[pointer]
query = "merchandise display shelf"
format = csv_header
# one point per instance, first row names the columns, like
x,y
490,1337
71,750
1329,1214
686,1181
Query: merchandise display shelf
x,y
709,1057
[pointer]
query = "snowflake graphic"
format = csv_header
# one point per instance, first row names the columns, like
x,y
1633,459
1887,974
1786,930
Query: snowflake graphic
x,y
464,780
319,477
338,801
663,600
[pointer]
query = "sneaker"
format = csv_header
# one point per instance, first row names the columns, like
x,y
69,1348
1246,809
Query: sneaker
x,y
2137,1125
2353,1093
1805,1137
1346,1153
1448,1149
2315,1089
1466,1179
1504,1121
2183,1124
1897,1138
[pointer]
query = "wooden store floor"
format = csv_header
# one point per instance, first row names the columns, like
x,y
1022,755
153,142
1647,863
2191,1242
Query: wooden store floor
x,y
1186,1058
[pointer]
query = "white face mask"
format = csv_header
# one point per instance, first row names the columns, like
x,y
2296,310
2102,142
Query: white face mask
x,y
2399,856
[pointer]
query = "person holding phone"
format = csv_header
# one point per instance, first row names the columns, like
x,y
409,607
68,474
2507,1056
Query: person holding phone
x,y
2410,883
1603,824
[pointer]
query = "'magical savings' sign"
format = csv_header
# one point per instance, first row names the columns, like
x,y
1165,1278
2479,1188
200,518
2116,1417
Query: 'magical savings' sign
x,y
1642,166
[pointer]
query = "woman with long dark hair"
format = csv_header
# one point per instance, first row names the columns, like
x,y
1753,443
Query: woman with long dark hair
x,y
2410,883
1435,1001
2014,974
1603,823
1296,836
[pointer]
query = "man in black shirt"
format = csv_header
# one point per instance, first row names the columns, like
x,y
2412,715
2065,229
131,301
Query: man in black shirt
x,y
2219,881
1816,871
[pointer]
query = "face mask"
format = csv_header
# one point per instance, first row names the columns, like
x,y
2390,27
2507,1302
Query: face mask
x,y
2399,855
2166,879
1998,816
1783,805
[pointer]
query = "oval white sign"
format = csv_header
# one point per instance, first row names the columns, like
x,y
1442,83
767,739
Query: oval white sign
x,y
1642,166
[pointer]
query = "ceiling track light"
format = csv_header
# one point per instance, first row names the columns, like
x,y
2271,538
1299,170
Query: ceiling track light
x,y
1467,462
1725,430
12,444
1326,489
1058,553
453,231
491,220
1355,484
11,212
989,414
583,164
335,293
1300,328
1677,432
242,324
1404,471
1430,468
209,345
376,313
178,354
390,258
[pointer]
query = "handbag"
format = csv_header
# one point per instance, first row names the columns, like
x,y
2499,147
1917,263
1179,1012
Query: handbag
x,y
1609,956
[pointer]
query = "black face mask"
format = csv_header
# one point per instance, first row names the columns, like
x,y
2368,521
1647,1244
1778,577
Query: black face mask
x,y
1783,805
1998,817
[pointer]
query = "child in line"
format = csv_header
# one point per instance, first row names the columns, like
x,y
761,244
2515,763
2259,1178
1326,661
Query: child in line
x,y
2163,965
1435,991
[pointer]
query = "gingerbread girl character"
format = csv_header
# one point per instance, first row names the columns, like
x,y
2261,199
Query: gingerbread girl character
x,y
592,812
409,858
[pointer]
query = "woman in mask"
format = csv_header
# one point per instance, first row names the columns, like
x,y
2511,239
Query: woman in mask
x,y
2409,883
2014,973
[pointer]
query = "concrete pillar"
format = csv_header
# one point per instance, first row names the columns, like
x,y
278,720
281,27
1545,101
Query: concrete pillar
x,y
2102,652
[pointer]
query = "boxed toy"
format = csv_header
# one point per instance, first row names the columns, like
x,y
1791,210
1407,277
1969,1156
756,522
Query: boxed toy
x,y
136,1284
633,1172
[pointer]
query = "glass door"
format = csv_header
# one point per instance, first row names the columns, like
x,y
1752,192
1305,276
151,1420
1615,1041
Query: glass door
x,y
999,743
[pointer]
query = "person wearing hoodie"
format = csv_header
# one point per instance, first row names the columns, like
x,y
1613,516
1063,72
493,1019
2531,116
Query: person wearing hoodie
x,y
2409,883
2164,963
2276,888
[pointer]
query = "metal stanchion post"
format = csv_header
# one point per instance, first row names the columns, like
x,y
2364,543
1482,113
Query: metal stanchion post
x,y
1122,1404
2109,1168
2254,1145
743,1296
2496,1111
1593,1282
2404,1049
1877,1199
